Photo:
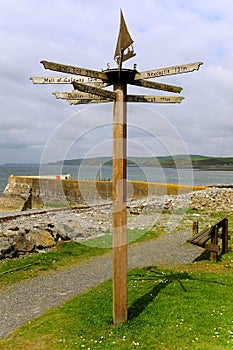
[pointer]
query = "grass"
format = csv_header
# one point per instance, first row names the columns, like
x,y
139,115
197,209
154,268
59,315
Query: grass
x,y
65,254
168,309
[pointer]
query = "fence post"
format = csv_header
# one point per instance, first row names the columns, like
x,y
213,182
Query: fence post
x,y
225,236
195,227
214,241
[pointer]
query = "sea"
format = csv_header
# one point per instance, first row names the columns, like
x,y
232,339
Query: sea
x,y
102,172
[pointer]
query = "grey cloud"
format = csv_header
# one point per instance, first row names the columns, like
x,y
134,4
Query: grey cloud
x,y
84,34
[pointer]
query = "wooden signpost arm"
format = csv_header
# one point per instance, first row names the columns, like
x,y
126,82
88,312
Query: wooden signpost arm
x,y
94,90
154,73
58,67
157,86
154,99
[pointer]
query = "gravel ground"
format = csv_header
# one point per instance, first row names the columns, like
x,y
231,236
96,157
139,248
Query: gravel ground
x,y
24,301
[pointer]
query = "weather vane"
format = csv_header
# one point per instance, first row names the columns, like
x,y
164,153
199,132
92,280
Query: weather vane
x,y
89,87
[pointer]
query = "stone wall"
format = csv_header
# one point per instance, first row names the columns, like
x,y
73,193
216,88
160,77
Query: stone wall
x,y
23,193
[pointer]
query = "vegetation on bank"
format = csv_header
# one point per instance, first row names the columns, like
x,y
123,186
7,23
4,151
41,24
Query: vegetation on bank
x,y
176,161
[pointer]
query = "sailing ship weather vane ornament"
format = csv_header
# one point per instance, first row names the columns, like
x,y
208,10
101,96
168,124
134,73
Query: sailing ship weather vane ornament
x,y
89,87
124,42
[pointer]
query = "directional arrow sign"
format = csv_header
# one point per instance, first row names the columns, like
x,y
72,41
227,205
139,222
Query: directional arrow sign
x,y
74,70
157,86
184,68
75,95
94,90
69,80
154,99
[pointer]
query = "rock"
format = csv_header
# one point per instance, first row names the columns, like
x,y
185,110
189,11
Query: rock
x,y
70,231
23,245
41,239
5,246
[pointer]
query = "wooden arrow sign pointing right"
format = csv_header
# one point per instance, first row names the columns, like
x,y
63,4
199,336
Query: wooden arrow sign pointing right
x,y
184,68
157,86
154,99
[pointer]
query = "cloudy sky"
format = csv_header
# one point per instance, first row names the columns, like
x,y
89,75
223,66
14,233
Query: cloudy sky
x,y
35,126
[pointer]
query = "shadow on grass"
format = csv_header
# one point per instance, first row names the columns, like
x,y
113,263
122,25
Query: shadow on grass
x,y
205,255
161,281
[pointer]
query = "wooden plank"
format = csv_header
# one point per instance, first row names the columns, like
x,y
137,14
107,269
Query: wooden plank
x,y
76,95
201,237
154,99
74,70
157,86
94,90
68,80
184,68
213,248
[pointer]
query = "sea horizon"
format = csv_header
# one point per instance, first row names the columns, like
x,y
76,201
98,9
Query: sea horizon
x,y
183,176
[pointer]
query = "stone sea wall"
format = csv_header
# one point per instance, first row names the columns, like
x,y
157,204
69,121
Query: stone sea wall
x,y
24,193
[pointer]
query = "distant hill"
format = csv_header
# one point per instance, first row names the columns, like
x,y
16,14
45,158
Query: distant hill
x,y
177,161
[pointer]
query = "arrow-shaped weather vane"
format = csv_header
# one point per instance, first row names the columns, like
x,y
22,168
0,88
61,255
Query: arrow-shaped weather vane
x,y
89,87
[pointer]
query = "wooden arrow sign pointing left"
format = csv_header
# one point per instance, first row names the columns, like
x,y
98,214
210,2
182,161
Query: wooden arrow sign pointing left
x,y
76,95
74,70
69,80
80,102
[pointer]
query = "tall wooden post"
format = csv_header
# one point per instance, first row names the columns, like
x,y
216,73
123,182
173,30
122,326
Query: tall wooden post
x,y
92,91
120,313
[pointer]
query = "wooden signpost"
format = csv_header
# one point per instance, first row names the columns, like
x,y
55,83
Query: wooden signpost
x,y
87,91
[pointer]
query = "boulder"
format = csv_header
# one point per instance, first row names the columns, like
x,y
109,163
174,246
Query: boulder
x,y
70,231
23,245
41,238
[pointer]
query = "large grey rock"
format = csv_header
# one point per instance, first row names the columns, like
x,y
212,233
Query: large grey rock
x,y
70,230
23,245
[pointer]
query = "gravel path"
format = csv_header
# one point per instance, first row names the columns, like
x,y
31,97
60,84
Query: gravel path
x,y
24,301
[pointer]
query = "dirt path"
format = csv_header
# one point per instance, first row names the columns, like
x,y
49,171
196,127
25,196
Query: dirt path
x,y
24,301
